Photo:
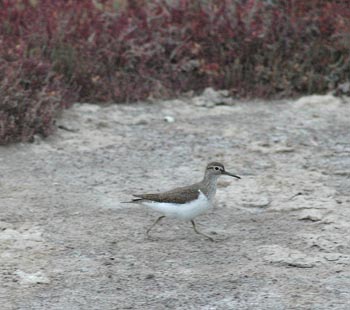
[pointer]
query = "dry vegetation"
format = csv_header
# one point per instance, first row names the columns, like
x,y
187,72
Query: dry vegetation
x,y
53,53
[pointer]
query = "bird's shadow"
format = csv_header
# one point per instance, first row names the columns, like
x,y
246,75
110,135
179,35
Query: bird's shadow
x,y
216,239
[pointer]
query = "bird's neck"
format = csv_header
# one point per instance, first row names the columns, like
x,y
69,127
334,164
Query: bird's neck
x,y
209,185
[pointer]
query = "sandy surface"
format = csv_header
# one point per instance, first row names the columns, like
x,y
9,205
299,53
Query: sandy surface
x,y
282,231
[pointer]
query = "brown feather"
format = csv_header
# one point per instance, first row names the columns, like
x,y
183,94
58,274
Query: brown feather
x,y
189,193
178,195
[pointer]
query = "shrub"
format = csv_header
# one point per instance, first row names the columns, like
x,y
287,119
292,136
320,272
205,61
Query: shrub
x,y
53,52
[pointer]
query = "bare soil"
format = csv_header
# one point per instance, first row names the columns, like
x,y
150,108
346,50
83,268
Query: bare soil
x,y
283,242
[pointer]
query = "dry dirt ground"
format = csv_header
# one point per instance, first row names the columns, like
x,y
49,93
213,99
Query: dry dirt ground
x,y
282,231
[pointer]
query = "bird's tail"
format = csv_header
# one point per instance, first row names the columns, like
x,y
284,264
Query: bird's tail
x,y
136,200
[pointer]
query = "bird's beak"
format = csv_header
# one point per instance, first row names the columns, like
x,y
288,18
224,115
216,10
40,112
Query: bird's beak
x,y
230,174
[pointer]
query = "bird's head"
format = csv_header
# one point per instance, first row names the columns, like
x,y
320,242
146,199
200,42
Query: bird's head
x,y
217,169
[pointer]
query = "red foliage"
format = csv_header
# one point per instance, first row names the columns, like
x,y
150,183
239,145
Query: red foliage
x,y
54,51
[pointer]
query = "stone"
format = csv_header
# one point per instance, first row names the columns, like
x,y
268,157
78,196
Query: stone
x,y
169,119
32,278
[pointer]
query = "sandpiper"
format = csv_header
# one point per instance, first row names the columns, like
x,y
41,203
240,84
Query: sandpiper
x,y
187,202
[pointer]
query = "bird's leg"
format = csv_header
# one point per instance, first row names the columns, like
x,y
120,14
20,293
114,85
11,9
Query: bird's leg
x,y
200,233
154,224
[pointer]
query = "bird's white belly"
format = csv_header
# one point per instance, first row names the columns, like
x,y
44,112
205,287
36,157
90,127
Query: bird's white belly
x,y
185,211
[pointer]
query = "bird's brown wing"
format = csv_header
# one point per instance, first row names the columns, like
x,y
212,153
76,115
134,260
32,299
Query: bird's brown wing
x,y
178,195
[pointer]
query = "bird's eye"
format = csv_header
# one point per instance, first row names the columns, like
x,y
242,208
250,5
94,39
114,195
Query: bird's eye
x,y
216,168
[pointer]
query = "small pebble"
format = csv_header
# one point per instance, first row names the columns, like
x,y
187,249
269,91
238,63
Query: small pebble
x,y
169,119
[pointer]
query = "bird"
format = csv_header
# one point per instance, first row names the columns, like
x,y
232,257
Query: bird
x,y
185,203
